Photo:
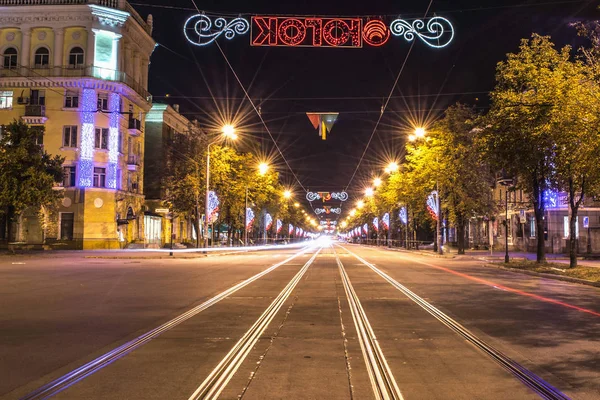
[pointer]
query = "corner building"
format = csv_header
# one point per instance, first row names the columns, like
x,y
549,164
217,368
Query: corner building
x,y
79,68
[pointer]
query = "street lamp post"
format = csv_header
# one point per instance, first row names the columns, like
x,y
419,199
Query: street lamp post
x,y
228,131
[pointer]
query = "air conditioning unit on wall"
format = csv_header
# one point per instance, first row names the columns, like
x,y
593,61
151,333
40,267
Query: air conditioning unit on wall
x,y
22,100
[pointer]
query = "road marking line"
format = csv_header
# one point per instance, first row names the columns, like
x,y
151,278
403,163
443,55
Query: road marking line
x,y
534,382
58,385
220,376
382,379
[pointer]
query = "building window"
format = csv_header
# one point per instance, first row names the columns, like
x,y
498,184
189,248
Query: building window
x,y
38,97
6,99
120,142
566,227
41,58
71,99
101,138
39,134
66,226
99,177
69,176
10,58
103,102
70,136
76,57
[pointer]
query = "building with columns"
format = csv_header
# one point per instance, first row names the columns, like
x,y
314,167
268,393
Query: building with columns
x,y
79,69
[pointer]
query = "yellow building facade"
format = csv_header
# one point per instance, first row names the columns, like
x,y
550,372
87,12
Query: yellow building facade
x,y
79,69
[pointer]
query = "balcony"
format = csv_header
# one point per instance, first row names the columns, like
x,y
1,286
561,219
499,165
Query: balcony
x,y
34,114
75,72
133,162
135,127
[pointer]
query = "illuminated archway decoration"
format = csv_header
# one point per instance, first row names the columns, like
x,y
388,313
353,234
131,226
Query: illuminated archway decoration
x,y
205,31
312,31
438,32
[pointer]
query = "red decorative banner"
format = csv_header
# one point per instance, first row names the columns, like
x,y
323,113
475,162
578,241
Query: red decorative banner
x,y
308,32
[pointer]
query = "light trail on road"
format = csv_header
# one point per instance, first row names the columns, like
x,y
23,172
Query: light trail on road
x,y
382,379
534,382
69,379
220,376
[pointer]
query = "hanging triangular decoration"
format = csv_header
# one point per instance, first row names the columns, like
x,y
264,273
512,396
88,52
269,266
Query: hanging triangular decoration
x,y
323,122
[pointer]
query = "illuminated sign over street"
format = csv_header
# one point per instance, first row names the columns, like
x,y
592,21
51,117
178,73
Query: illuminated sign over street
x,y
298,31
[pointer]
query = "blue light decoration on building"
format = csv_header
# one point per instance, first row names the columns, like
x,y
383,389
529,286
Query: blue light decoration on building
x,y
114,105
249,218
385,221
86,147
403,215
376,224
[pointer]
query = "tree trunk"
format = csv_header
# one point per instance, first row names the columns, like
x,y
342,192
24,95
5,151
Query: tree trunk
x,y
573,238
10,216
539,209
460,233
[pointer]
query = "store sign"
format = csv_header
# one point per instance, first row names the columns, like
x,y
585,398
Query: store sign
x,y
312,31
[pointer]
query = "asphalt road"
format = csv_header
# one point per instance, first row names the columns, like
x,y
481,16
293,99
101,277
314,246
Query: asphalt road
x,y
323,325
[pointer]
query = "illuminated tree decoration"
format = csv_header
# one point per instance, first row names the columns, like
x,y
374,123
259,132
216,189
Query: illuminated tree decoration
x,y
278,225
86,147
385,221
403,215
376,33
205,32
249,218
268,221
290,229
213,206
376,224
438,32
432,205
366,228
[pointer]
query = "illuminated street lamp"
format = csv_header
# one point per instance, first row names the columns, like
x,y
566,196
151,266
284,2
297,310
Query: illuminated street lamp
x,y
420,132
287,194
353,213
228,132
263,167
296,205
391,167
360,204
377,182
369,192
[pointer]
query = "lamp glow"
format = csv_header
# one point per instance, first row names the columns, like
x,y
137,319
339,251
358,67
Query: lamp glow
x,y
360,204
229,132
369,192
263,167
391,167
420,132
377,182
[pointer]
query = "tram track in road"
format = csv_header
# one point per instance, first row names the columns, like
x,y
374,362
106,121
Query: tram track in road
x,y
217,380
382,379
65,381
534,382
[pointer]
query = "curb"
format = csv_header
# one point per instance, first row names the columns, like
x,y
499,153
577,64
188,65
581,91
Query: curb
x,y
173,257
544,275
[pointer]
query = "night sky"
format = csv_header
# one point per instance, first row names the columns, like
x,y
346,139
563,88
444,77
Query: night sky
x,y
288,82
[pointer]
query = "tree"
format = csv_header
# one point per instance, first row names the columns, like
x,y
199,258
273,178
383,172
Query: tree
x,y
27,172
520,130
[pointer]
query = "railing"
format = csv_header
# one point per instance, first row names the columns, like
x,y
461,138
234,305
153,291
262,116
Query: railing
x,y
70,72
35,111
135,123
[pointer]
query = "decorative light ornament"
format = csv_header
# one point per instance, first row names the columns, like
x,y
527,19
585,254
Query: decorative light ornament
x,y
278,225
328,210
376,224
432,204
385,221
290,229
375,33
207,32
438,32
326,196
268,221
89,105
249,218
114,104
366,228
403,215
213,206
